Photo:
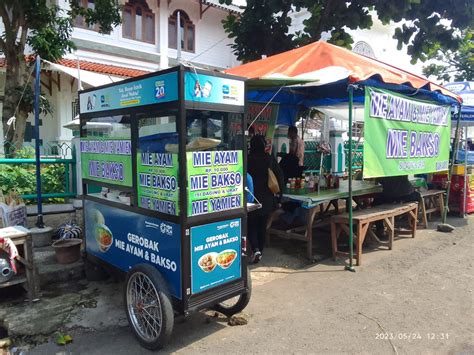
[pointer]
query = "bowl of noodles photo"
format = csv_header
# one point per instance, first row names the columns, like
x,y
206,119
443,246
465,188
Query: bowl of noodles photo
x,y
207,262
226,258
104,237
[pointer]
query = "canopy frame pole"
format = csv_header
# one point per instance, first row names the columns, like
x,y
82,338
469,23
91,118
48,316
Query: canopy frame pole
x,y
466,182
264,107
39,217
451,168
349,202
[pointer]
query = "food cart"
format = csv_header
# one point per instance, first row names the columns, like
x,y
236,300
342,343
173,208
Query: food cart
x,y
163,181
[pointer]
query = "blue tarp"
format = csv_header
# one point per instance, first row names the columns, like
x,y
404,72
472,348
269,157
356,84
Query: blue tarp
x,y
292,99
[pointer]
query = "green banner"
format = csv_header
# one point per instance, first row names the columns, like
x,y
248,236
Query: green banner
x,y
215,181
157,182
403,136
107,160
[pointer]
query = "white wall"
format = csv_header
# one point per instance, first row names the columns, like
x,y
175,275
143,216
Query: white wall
x,y
212,43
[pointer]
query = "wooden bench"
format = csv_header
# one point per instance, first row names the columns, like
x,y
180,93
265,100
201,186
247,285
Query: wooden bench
x,y
364,219
430,201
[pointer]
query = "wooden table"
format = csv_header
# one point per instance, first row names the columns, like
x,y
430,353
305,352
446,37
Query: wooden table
x,y
313,201
21,237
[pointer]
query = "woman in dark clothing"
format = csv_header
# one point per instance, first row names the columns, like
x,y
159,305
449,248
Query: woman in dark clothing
x,y
258,164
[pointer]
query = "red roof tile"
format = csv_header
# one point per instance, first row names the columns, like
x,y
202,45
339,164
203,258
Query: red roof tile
x,y
97,68
102,68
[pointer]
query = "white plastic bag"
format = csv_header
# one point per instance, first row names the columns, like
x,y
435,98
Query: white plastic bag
x,y
12,215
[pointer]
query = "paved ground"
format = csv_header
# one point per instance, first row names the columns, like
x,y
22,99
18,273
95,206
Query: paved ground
x,y
415,299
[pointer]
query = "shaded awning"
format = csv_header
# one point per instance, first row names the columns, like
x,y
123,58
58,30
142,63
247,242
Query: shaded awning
x,y
86,77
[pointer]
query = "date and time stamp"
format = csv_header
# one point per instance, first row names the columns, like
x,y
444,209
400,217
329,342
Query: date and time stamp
x,y
412,336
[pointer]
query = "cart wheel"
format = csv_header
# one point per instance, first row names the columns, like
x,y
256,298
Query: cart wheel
x,y
149,309
235,304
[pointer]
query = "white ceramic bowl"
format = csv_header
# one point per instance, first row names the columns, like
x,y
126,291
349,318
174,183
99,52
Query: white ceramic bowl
x,y
124,199
103,247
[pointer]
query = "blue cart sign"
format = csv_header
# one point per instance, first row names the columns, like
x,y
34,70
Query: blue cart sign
x,y
213,89
125,239
148,91
215,254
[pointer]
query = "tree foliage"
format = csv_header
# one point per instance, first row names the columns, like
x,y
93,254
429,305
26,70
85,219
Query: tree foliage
x,y
39,27
263,26
453,65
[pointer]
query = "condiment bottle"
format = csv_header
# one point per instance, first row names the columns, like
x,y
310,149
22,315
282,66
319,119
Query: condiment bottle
x,y
311,182
322,182
329,180
336,181
298,183
292,183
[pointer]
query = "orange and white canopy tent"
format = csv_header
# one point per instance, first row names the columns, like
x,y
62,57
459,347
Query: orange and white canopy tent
x,y
317,75
321,58
338,78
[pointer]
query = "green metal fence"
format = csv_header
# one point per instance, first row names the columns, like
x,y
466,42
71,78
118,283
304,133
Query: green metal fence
x,y
312,158
58,172
358,155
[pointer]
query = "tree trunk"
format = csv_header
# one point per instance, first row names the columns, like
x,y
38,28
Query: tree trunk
x,y
16,78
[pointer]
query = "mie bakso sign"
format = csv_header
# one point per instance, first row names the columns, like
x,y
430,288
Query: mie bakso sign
x,y
404,136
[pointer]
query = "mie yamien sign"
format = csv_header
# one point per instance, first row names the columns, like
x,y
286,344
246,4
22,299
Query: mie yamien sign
x,y
404,136
215,181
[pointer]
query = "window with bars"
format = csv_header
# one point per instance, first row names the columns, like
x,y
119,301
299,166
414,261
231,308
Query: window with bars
x,y
80,21
138,21
74,108
187,32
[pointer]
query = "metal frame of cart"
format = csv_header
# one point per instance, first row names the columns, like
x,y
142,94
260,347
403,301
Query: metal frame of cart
x,y
158,204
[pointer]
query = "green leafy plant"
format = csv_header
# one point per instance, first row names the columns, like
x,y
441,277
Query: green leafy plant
x,y
22,179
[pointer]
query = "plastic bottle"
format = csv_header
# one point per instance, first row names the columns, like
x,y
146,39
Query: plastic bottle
x,y
329,181
292,183
322,182
311,182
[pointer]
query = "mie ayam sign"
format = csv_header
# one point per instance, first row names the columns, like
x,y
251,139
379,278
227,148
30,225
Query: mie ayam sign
x,y
404,136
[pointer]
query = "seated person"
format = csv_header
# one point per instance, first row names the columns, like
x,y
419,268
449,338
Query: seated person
x,y
394,189
294,214
289,164
470,145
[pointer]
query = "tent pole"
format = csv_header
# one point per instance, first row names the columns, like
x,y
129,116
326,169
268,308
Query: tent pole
x,y
451,168
39,217
466,182
349,202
